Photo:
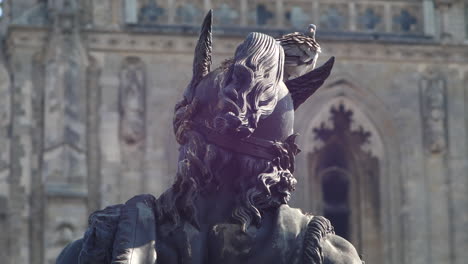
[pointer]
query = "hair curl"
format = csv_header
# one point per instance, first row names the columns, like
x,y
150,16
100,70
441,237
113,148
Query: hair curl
x,y
248,93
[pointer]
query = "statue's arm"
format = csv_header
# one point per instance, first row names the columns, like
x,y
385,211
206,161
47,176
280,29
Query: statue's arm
x,y
96,244
337,250
322,246
117,233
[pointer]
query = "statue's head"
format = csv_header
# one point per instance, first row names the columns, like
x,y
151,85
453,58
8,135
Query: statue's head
x,y
235,127
250,89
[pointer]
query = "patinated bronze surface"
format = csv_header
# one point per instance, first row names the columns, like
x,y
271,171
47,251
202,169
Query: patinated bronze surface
x,y
229,201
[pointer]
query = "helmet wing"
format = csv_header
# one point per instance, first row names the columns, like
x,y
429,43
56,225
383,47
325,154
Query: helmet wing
x,y
202,57
304,86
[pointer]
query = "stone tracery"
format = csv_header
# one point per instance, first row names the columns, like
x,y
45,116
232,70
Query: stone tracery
x,y
345,151
342,109
400,17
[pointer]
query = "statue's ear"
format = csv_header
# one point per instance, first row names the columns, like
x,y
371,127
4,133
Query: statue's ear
x,y
202,58
304,86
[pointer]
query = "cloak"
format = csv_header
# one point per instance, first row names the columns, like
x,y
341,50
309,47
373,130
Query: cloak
x,y
130,234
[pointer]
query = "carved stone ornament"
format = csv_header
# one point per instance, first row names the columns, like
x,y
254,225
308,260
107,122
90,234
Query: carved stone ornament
x,y
448,3
132,101
433,94
359,125
229,201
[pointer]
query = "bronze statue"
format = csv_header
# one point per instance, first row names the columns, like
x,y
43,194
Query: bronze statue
x,y
228,203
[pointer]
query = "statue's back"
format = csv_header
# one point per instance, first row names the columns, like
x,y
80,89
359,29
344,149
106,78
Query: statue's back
x,y
127,234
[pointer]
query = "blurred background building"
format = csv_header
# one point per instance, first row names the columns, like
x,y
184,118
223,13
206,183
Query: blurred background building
x,y
87,90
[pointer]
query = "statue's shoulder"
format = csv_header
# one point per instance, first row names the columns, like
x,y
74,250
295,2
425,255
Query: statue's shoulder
x,y
114,232
98,239
321,245
311,239
293,219
337,250
96,244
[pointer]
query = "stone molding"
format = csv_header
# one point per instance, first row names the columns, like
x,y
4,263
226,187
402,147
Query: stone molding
x,y
400,16
112,41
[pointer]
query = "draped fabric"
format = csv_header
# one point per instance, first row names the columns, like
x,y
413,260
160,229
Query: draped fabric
x,y
130,234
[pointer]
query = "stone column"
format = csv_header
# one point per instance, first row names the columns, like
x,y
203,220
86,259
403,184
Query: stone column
x,y
449,27
5,117
429,18
6,18
5,123
444,19
117,14
86,13
131,11
64,167
93,103
433,101
36,220
279,14
108,14
132,127
387,19
244,13
20,155
101,15
17,7
352,16
171,11
458,165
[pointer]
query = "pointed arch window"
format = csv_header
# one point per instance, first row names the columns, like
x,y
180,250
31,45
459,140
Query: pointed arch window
x,y
336,202
345,173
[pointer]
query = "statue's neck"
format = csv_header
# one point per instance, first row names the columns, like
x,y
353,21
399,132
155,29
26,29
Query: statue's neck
x,y
216,206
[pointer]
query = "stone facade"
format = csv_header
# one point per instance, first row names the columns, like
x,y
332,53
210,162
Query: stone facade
x,y
87,90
